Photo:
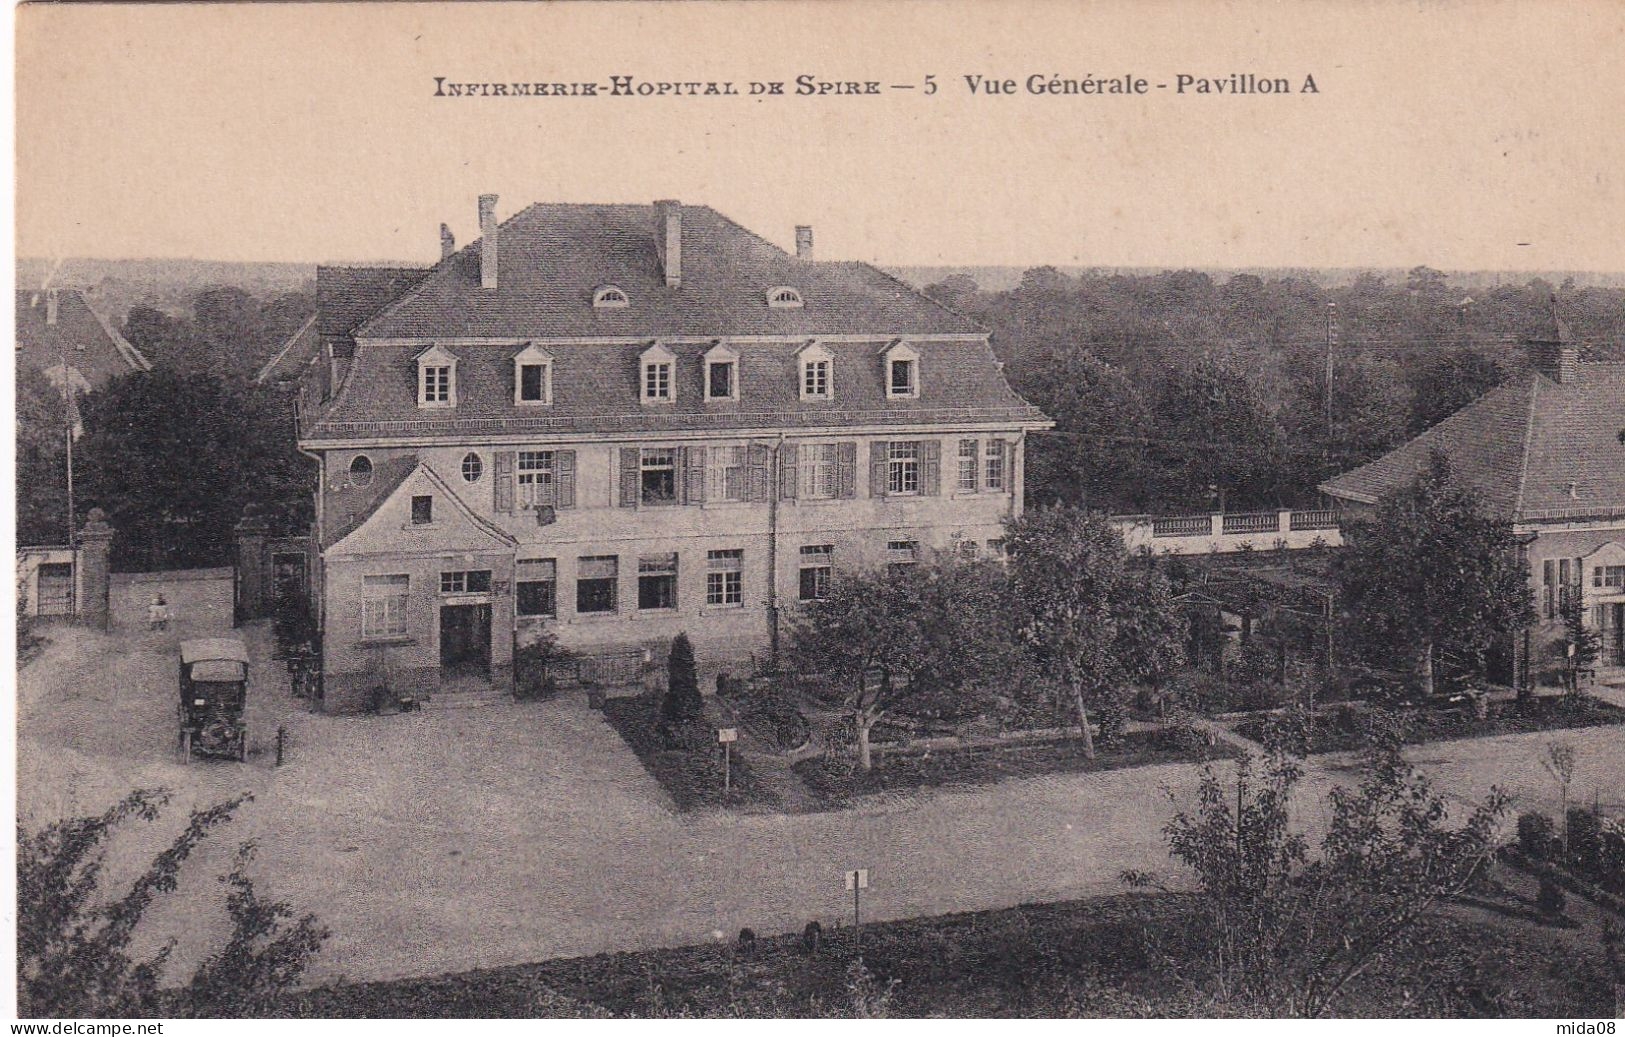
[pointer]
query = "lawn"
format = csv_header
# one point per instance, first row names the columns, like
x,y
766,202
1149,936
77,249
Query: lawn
x,y
1337,730
1088,958
693,774
836,780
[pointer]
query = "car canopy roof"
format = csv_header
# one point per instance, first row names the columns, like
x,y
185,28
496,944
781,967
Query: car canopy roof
x,y
213,648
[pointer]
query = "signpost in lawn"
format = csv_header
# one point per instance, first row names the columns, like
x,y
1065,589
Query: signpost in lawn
x,y
727,736
857,881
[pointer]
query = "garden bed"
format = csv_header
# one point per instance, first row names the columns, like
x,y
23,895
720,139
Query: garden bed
x,y
1087,958
1339,730
836,780
691,775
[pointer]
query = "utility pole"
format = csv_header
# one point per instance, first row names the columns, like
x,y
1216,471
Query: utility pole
x,y
1331,338
67,425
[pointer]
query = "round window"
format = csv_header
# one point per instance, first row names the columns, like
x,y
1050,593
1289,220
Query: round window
x,y
361,470
472,468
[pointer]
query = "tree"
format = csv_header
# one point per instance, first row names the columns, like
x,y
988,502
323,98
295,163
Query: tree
x,y
1443,386
1215,430
73,940
175,459
682,704
1097,454
1094,623
1582,644
921,639
1432,570
1285,932
42,459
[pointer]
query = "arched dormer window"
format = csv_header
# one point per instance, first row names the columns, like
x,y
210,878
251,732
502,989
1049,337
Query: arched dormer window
x,y
437,378
816,373
902,371
533,377
721,373
610,297
657,375
784,297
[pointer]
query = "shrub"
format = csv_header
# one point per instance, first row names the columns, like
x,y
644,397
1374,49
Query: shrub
x,y
682,703
534,665
1585,838
1551,899
1535,835
294,624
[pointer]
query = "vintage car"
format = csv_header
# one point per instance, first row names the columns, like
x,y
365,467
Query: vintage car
x,y
214,692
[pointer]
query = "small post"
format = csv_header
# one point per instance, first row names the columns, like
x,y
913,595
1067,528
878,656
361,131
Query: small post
x,y
727,736
281,738
857,880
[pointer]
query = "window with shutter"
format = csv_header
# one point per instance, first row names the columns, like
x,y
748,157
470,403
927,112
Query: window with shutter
x,y
931,467
758,459
879,458
630,458
502,482
788,471
846,471
565,462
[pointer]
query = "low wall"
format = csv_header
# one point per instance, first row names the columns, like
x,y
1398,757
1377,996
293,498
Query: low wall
x,y
200,600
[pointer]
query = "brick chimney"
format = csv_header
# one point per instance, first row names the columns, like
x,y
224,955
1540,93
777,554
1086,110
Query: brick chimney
x,y
488,241
50,307
448,244
804,242
1552,349
669,240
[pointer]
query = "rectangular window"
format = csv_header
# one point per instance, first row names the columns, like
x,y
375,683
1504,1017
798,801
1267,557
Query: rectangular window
x,y
725,577
422,510
596,577
969,550
536,586
472,581
902,378
719,379
817,565
383,605
657,582
657,381
968,457
1548,572
436,386
995,464
815,379
725,473
1610,576
532,383
534,475
903,467
658,475
901,554
820,473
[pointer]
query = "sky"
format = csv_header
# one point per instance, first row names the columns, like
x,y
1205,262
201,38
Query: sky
x,y
1463,135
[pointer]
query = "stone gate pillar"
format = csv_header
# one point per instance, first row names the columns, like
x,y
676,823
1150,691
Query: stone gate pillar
x,y
95,569
253,577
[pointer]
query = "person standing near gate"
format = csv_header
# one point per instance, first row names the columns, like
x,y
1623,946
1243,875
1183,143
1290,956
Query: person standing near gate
x,y
158,613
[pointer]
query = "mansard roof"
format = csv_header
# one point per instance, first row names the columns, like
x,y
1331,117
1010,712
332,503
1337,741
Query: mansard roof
x,y
1535,449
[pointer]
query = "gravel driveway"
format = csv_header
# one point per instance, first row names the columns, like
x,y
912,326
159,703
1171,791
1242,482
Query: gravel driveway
x,y
437,841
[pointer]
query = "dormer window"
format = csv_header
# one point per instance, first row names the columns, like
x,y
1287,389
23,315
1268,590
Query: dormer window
x,y
902,372
657,378
817,374
610,297
784,298
532,377
721,373
437,378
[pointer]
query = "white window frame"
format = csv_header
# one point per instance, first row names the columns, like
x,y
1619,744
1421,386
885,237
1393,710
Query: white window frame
x,y
725,578
436,358
997,459
815,354
655,356
717,356
902,463
970,463
819,558
818,469
542,471
610,297
902,352
784,297
719,461
384,615
532,356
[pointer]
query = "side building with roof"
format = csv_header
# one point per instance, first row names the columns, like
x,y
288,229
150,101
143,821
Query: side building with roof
x,y
1546,453
621,422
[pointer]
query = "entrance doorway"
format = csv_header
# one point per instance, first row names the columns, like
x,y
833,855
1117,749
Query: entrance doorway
x,y
1612,625
465,641
55,594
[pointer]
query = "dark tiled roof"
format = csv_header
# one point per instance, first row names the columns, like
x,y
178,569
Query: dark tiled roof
x,y
1522,446
347,295
356,504
91,344
552,257
595,388
297,352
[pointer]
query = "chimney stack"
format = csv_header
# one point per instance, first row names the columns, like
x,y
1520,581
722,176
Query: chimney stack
x,y
50,308
669,240
488,241
448,244
804,242
1553,351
